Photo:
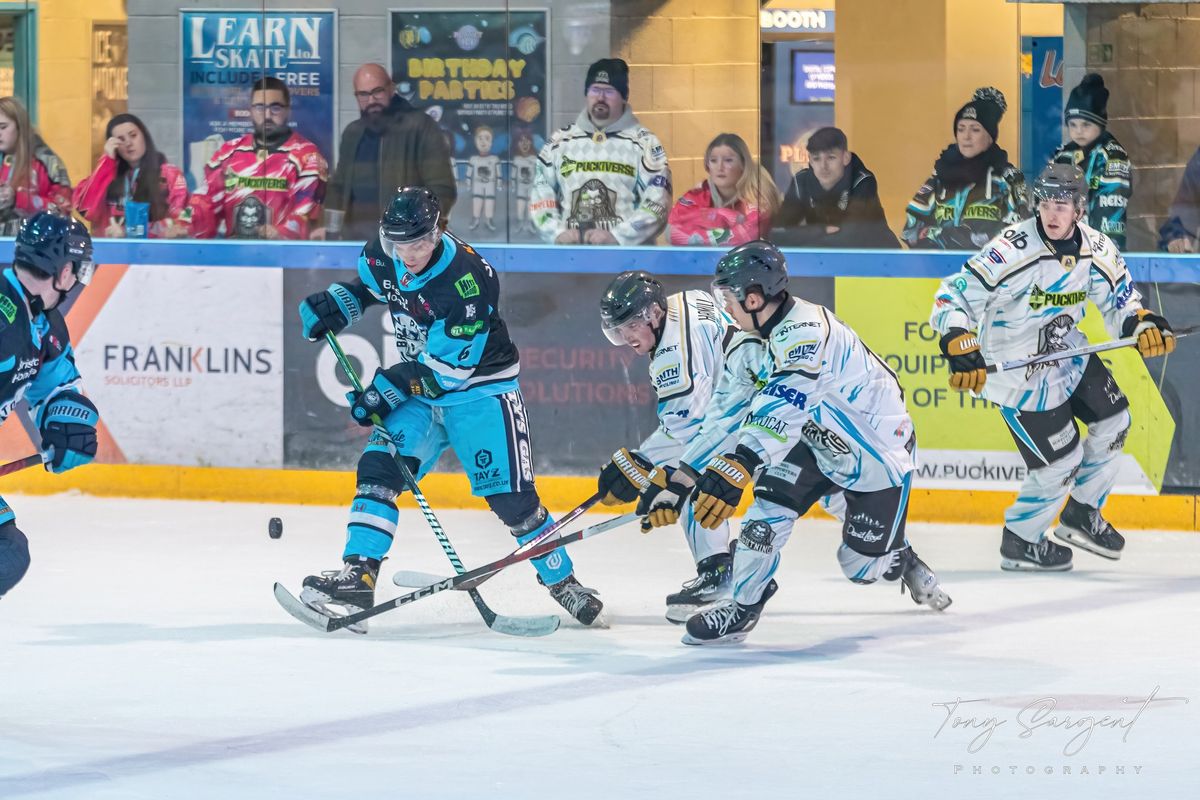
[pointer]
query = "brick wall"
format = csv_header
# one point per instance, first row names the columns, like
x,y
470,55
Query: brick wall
x,y
1149,55
693,73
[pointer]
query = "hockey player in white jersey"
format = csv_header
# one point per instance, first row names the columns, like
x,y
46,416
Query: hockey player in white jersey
x,y
1024,294
831,419
700,369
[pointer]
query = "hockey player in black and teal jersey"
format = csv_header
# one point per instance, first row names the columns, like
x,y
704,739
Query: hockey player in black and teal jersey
x,y
455,385
52,256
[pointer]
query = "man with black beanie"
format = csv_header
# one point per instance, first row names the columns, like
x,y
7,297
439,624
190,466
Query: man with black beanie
x,y
1105,164
604,178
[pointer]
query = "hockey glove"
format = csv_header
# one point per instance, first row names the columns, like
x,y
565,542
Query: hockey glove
x,y
720,487
662,501
380,397
329,311
68,424
623,477
968,370
1154,336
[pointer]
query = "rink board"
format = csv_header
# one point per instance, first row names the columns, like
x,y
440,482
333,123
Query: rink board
x,y
197,367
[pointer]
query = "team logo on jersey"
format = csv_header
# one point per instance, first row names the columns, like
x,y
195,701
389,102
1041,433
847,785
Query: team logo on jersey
x,y
1068,262
1052,339
467,287
1038,298
756,535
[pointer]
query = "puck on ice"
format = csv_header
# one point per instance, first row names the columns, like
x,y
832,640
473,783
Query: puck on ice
x,y
275,527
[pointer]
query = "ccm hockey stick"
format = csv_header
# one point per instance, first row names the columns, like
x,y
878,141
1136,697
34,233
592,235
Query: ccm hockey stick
x,y
535,548
513,626
1043,358
20,464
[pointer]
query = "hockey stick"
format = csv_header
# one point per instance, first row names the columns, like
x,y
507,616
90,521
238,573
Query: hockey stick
x,y
465,582
20,464
513,626
1043,358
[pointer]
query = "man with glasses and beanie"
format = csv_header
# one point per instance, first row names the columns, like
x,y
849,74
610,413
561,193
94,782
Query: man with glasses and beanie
x,y
268,184
604,178
453,384
391,144
52,257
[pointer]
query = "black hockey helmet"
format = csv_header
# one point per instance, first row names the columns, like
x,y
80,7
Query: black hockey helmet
x,y
1061,182
628,299
413,213
756,265
46,242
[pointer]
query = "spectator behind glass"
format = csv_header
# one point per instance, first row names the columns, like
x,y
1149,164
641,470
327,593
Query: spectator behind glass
x,y
1179,233
734,205
32,177
1105,164
133,190
268,184
604,178
391,144
974,190
834,201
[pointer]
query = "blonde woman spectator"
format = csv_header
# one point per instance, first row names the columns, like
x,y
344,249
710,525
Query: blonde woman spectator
x,y
134,191
734,205
32,177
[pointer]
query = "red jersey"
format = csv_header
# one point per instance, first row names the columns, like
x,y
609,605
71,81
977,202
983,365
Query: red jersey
x,y
249,186
48,188
696,221
92,201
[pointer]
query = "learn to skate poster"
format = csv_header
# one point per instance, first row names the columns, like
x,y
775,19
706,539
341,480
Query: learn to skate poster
x,y
482,75
225,52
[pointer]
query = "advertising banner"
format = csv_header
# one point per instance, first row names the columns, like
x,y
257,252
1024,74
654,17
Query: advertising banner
x,y
225,52
1041,101
110,78
483,75
185,364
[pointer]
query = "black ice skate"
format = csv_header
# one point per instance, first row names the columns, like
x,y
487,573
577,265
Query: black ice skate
x,y
1083,526
714,575
920,580
1044,556
578,600
727,623
352,588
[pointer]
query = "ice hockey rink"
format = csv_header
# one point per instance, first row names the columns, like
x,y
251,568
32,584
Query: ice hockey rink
x,y
145,657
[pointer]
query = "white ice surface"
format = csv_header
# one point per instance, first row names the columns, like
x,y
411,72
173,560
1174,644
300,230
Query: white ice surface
x,y
145,657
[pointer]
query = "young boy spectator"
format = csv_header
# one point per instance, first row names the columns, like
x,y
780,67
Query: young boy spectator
x,y
1104,162
834,202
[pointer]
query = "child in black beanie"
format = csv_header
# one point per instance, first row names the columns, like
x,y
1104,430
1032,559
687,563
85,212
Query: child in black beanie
x,y
1105,164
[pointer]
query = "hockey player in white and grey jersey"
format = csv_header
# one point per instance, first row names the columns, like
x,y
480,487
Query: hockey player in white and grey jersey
x,y
1025,293
831,419
688,340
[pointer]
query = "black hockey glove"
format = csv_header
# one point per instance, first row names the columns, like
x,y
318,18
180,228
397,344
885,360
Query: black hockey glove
x,y
330,311
623,477
1154,336
380,397
968,370
662,502
69,431
720,487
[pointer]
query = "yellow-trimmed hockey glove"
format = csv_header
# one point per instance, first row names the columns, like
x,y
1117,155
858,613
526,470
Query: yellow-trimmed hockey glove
x,y
720,488
1154,336
662,501
968,370
624,477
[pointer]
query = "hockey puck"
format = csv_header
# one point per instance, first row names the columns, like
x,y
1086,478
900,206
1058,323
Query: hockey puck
x,y
275,527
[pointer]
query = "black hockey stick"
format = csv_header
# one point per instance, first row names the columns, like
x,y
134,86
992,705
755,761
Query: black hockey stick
x,y
513,626
469,580
20,464
1042,358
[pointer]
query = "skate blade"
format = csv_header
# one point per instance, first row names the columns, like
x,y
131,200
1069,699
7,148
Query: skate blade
x,y
323,604
1073,537
938,601
721,641
680,614
1011,565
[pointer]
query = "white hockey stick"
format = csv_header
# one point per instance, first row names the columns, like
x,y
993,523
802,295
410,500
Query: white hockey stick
x,y
1044,358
